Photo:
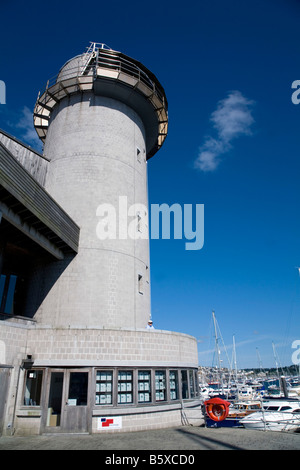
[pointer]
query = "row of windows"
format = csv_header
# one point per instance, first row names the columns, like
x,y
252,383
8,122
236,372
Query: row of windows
x,y
146,387
117,387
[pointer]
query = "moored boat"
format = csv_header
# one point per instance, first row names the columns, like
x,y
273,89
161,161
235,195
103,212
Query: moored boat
x,y
275,415
241,409
237,411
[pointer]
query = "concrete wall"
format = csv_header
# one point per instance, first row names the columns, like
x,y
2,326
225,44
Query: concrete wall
x,y
95,347
13,341
155,418
13,348
67,347
92,144
101,347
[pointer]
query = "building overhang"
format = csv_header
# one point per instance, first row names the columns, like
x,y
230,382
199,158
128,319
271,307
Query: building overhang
x,y
26,206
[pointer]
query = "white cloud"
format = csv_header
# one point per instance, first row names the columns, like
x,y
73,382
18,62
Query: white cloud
x,y
231,119
26,123
210,151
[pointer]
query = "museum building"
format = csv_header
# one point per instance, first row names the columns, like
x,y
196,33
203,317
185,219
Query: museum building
x,y
75,353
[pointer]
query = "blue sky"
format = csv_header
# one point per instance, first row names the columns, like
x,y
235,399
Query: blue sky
x,y
233,145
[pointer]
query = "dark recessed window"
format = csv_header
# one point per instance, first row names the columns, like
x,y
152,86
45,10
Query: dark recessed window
x,y
33,387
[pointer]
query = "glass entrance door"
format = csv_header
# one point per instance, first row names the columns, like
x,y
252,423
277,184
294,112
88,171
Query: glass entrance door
x,y
78,388
75,409
67,401
55,400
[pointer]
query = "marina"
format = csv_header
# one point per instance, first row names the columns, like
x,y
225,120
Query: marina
x,y
232,398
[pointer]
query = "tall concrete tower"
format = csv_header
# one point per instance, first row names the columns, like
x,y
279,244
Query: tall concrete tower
x,y
75,354
101,119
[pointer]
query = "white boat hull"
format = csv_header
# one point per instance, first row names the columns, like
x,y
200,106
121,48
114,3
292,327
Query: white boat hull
x,y
272,421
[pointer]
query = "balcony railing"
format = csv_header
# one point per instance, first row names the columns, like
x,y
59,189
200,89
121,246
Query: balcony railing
x,y
100,62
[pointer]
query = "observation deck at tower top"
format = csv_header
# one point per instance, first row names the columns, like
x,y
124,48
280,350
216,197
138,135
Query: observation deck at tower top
x,y
111,74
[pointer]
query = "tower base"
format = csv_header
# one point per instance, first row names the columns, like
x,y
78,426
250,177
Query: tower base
x,y
95,380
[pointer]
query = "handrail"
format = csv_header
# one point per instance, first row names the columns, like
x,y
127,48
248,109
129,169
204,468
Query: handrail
x,y
83,71
111,61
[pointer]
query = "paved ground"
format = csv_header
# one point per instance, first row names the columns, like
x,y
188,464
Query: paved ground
x,y
178,439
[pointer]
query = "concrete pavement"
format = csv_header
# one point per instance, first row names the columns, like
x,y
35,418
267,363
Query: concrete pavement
x,y
185,438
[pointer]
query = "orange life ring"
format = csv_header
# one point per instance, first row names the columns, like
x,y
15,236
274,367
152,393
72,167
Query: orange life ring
x,y
217,409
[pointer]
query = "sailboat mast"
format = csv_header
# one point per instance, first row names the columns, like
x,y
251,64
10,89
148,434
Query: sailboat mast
x,y
259,360
275,357
234,358
217,348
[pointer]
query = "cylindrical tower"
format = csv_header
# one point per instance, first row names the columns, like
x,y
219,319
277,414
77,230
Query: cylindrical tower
x,y
91,364
101,119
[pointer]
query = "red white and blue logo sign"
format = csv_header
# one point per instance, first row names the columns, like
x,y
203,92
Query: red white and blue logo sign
x,y
110,422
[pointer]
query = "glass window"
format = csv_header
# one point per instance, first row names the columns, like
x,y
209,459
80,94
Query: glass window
x,y
125,387
160,385
272,408
55,399
104,387
173,376
78,389
7,293
192,384
140,284
184,384
144,386
33,387
196,383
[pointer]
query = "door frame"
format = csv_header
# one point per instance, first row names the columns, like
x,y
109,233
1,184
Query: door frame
x,y
62,428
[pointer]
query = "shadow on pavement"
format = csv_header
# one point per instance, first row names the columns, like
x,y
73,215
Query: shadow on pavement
x,y
207,442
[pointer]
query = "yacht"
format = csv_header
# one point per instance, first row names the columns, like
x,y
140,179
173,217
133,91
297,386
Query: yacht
x,y
275,415
243,408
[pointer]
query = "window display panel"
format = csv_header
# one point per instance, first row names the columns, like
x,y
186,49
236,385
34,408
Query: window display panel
x,y
160,385
173,377
104,387
144,386
125,387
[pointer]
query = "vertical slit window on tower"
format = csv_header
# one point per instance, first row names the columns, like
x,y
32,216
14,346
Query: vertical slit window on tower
x,y
104,387
139,225
140,284
125,387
